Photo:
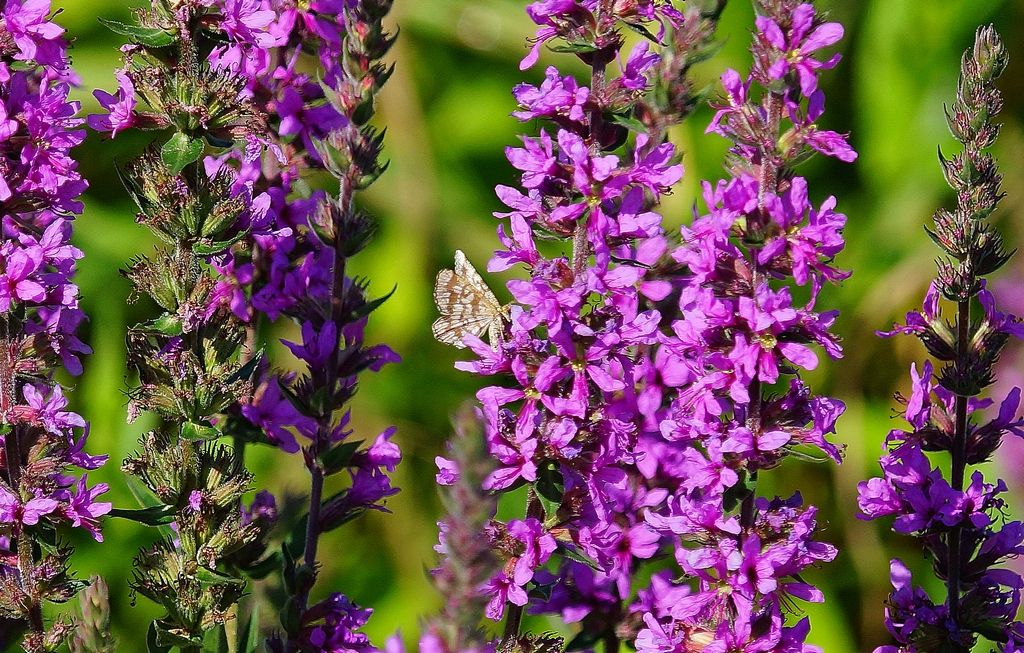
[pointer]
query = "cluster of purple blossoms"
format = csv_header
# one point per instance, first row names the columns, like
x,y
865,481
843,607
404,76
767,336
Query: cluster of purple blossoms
x,y
641,412
39,316
724,407
292,114
299,271
569,426
959,519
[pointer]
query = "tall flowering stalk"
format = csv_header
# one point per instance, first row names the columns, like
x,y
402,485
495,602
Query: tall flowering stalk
x,y
568,426
309,282
650,382
298,271
43,442
285,255
734,356
176,79
959,519
468,561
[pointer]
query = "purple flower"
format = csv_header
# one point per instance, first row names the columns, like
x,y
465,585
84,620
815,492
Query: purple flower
x,y
637,425
19,281
333,626
277,416
120,108
447,471
537,543
796,46
247,22
545,13
16,512
502,590
37,38
958,516
82,509
639,62
557,98
262,509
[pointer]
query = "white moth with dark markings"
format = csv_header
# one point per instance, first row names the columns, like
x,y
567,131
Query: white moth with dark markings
x,y
466,304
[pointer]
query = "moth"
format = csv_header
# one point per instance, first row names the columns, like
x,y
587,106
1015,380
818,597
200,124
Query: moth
x,y
466,305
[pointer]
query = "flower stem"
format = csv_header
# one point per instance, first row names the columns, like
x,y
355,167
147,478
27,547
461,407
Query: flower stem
x,y
313,523
958,465
767,183
580,248
26,563
535,510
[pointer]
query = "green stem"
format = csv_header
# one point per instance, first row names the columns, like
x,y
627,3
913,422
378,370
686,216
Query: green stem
x,y
514,620
958,469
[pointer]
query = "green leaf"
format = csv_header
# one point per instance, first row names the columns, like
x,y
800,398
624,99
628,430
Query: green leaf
x,y
151,37
166,324
210,247
152,516
249,636
295,543
370,307
46,537
261,569
287,567
217,141
133,188
174,636
583,640
297,402
246,371
192,431
735,494
153,641
216,640
550,484
207,576
339,457
574,555
640,29
335,524
573,47
630,123
180,151
243,430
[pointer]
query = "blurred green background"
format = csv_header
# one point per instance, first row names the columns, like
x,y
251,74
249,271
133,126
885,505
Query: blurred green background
x,y
446,110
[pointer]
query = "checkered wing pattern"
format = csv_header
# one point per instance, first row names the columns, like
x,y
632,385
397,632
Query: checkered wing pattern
x,y
466,304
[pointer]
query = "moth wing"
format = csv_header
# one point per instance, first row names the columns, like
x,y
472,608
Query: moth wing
x,y
494,332
466,305
450,330
472,278
444,287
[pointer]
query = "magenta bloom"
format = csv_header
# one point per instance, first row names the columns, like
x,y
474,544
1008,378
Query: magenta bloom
x,y
803,39
333,626
37,38
83,510
502,590
120,107
14,511
245,21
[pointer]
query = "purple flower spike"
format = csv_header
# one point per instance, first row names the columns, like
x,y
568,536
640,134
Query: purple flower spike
x,y
630,393
958,516
45,486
